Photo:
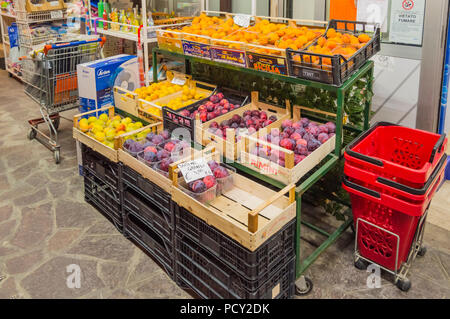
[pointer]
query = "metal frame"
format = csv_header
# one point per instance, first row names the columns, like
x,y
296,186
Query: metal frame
x,y
416,246
330,161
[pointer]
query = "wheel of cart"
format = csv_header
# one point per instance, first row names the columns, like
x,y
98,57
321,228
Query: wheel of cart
x,y
399,273
303,286
50,79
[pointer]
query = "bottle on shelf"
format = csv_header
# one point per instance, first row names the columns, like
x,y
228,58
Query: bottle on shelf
x,y
114,17
100,13
135,22
123,20
105,15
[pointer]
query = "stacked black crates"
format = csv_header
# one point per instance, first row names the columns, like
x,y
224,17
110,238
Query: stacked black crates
x,y
102,185
198,256
215,266
149,218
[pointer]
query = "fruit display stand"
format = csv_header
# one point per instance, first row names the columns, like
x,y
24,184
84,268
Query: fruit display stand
x,y
94,144
229,147
303,284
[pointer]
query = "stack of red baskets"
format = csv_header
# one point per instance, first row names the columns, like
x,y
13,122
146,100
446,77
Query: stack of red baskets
x,y
392,173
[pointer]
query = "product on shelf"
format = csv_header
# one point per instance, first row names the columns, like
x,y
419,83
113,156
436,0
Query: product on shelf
x,y
336,43
263,34
291,148
247,123
105,129
302,137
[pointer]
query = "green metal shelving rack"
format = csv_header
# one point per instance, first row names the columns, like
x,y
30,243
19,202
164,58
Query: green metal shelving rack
x,y
303,284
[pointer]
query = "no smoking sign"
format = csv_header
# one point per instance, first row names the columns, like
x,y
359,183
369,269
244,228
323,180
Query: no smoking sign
x,y
408,4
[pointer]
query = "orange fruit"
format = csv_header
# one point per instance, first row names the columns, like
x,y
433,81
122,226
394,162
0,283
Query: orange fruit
x,y
321,41
363,38
331,33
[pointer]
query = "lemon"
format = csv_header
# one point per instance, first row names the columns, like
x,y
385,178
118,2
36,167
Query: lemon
x,y
120,133
84,125
100,136
110,144
103,117
138,125
117,118
97,128
92,119
110,134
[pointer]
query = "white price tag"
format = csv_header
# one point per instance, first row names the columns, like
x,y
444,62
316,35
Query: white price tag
x,y
242,20
195,170
178,80
57,14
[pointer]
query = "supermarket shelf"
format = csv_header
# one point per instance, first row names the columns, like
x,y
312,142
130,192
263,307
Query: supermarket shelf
x,y
2,13
42,16
124,35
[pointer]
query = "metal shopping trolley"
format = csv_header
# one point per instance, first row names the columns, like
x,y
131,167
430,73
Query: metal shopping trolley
x,y
50,79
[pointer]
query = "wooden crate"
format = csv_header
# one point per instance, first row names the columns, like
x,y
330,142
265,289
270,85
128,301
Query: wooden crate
x,y
108,152
143,105
229,147
289,173
147,172
249,213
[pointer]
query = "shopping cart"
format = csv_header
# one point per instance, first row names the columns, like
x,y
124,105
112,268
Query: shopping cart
x,y
392,174
50,79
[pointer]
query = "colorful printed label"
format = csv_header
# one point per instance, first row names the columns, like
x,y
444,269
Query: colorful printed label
x,y
230,56
267,63
197,49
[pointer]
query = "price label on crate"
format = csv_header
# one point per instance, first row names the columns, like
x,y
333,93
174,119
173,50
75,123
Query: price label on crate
x,y
179,80
57,14
242,20
195,170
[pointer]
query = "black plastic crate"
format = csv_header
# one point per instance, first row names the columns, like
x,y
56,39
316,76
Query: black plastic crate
x,y
101,167
154,243
173,119
147,189
340,68
251,264
103,198
162,220
193,256
191,275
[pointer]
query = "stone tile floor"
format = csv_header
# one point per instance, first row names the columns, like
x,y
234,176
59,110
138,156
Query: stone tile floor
x,y
45,226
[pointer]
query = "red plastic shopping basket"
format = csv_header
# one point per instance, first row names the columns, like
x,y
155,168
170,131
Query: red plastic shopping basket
x,y
386,186
407,156
385,225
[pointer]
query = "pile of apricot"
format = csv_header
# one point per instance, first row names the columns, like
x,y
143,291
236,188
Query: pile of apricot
x,y
335,43
262,33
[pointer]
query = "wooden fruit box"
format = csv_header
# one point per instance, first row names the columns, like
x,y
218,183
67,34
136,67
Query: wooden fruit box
x,y
249,213
147,172
203,88
129,101
229,147
290,173
106,151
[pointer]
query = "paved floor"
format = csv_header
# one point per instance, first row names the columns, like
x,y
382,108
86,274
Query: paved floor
x,y
45,226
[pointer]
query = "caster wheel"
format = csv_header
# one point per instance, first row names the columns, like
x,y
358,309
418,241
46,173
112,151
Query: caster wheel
x,y
422,251
56,124
31,134
302,289
403,284
360,264
57,157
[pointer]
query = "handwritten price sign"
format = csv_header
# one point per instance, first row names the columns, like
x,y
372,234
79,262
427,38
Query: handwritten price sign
x,y
195,170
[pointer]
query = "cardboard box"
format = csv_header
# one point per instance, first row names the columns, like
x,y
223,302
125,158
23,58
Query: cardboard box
x,y
96,80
